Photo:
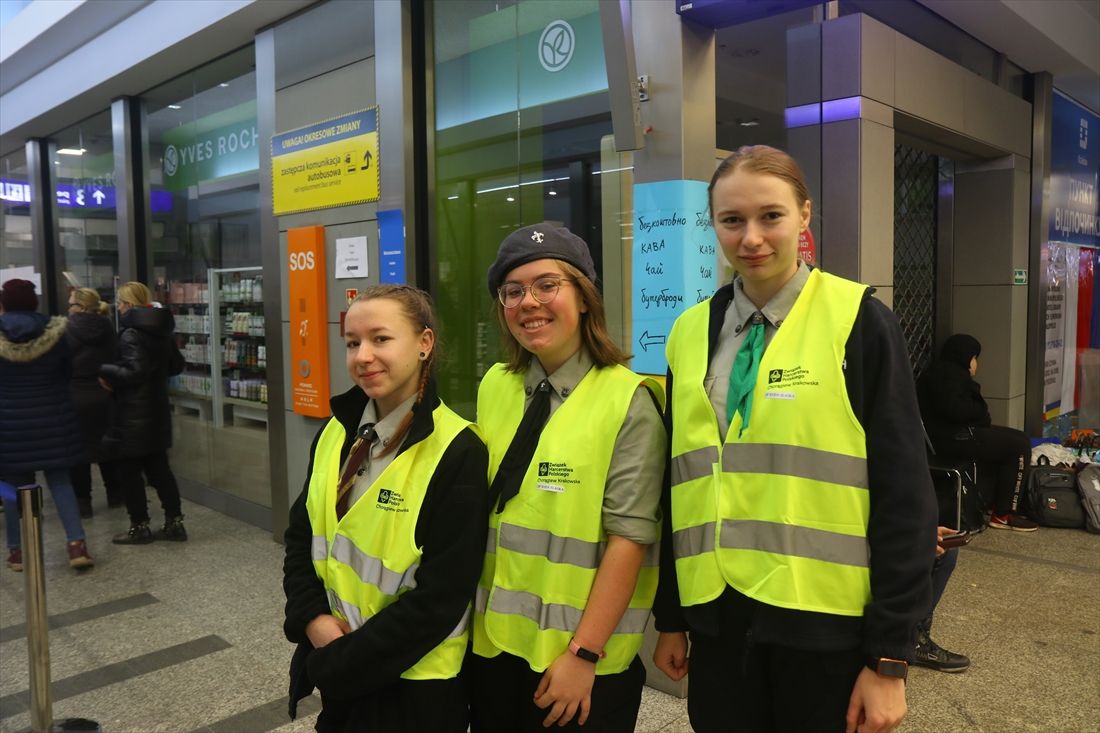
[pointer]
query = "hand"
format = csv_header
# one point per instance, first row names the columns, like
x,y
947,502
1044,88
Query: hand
x,y
877,704
325,629
566,688
942,532
670,656
105,384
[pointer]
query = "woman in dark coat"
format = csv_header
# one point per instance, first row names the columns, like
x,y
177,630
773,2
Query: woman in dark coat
x,y
958,423
92,343
142,431
38,429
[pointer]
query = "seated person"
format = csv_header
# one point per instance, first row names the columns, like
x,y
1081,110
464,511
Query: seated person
x,y
958,423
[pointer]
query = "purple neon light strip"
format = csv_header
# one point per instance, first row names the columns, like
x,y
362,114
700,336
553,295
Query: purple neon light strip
x,y
834,110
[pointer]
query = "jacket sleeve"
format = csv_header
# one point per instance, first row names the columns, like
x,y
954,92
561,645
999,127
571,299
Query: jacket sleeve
x,y
305,593
958,399
451,528
667,613
902,527
133,363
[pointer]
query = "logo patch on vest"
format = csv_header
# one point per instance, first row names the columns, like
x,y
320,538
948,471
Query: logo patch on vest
x,y
796,376
558,475
390,500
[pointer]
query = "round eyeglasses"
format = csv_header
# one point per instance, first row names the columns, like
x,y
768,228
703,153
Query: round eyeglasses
x,y
543,290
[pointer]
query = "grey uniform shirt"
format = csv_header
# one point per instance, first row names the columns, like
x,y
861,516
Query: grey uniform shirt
x,y
632,493
374,465
732,335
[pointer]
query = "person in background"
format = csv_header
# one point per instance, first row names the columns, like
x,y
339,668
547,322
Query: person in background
x,y
575,457
928,653
799,509
141,433
959,425
38,426
92,343
384,544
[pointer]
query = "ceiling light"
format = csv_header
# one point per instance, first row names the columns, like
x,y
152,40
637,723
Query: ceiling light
x,y
510,199
223,85
71,151
552,192
749,123
174,106
57,162
452,198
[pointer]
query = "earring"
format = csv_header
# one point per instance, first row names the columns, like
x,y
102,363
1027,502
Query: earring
x,y
423,356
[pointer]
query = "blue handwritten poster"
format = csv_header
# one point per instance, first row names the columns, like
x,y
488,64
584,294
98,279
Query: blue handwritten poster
x,y
674,264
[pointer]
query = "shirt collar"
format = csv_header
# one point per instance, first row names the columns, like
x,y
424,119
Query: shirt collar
x,y
565,379
775,310
386,427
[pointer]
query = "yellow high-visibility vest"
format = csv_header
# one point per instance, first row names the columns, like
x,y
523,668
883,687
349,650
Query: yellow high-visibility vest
x,y
544,549
369,557
779,512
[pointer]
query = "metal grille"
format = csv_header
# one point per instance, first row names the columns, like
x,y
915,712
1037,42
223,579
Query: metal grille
x,y
915,174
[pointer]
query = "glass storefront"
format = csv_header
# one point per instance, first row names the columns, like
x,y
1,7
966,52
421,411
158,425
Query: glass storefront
x,y
16,245
83,162
204,249
521,112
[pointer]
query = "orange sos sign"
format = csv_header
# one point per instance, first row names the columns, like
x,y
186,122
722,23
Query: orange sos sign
x,y
309,383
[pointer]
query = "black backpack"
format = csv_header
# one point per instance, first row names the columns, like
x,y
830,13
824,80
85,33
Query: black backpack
x,y
1052,496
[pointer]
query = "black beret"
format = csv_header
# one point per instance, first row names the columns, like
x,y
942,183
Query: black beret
x,y
543,241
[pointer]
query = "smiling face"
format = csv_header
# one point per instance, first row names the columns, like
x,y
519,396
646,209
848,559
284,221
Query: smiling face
x,y
383,351
551,331
757,219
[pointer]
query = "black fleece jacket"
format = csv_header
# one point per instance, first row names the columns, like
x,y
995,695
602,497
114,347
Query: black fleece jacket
x,y
451,529
901,530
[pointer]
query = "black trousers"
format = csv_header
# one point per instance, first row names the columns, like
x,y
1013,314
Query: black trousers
x,y
502,693
81,476
735,686
407,706
1003,453
156,469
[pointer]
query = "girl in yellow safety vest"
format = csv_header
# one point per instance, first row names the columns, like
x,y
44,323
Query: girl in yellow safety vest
x,y
799,511
385,543
576,450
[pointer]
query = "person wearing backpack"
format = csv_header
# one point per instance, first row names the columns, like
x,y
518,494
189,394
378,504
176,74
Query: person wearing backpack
x,y
958,423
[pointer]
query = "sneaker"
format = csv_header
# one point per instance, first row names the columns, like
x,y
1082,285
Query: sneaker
x,y
15,559
930,654
78,555
85,506
138,534
1015,522
173,530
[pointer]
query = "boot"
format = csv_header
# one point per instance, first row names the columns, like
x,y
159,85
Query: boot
x,y
78,555
138,534
173,530
931,655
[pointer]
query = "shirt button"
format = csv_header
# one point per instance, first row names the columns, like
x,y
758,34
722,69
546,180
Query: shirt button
x,y
528,391
779,323
564,391
738,329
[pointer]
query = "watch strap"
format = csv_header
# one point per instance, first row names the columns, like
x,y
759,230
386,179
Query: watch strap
x,y
585,654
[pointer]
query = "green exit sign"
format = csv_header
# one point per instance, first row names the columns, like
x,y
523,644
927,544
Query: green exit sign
x,y
1019,277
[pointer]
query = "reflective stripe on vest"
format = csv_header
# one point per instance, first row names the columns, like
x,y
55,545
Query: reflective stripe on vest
x,y
780,512
556,549
543,551
369,558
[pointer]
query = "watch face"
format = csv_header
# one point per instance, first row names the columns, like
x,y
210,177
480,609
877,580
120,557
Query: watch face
x,y
893,668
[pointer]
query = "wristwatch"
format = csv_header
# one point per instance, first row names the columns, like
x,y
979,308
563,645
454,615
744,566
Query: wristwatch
x,y
888,667
585,654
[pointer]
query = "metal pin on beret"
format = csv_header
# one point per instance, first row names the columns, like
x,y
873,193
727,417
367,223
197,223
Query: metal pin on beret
x,y
543,241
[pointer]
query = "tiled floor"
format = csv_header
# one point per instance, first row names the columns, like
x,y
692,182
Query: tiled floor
x,y
187,637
